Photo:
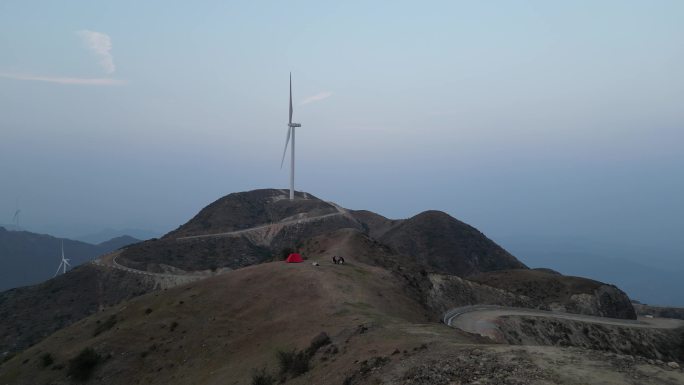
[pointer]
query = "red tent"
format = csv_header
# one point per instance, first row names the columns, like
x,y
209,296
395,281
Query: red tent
x,y
294,258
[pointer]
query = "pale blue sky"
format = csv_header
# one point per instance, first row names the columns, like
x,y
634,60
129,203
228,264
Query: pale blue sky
x,y
526,119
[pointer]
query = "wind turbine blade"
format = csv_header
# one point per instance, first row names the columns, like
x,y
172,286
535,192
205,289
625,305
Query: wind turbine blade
x,y
58,268
287,141
62,249
290,121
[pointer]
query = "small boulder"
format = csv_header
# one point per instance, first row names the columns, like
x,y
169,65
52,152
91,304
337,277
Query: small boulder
x,y
673,365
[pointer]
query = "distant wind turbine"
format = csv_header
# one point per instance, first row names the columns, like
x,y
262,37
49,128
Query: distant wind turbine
x,y
290,132
63,264
15,218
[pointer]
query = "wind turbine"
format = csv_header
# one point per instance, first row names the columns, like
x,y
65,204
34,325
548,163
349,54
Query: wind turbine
x,y
290,132
15,219
63,264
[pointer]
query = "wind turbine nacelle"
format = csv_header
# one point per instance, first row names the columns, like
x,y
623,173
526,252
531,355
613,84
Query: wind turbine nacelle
x,y
294,125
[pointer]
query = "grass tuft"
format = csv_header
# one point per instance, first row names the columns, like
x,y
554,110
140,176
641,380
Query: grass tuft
x,y
82,366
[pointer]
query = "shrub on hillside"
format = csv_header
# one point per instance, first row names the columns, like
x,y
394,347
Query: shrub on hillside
x,y
260,377
296,362
293,362
104,326
46,359
82,366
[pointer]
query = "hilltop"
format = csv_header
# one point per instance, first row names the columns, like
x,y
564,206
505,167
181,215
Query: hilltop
x,y
215,237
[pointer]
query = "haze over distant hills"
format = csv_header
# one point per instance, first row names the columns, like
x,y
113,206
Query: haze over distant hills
x,y
29,258
90,233
658,283
110,233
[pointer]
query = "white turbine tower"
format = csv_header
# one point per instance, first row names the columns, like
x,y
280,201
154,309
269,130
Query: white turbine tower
x,y
15,219
63,263
290,132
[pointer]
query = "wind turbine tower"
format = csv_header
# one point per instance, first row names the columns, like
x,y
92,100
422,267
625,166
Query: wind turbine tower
x,y
15,219
290,132
63,263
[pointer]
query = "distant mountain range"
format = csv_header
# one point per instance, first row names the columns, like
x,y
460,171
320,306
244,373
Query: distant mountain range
x,y
109,233
28,258
658,283
84,233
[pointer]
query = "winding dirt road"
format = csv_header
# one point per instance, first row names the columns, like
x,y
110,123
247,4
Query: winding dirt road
x,y
237,233
480,319
171,279
260,228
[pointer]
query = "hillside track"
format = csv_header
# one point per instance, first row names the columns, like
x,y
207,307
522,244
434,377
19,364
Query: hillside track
x,y
164,280
110,259
260,228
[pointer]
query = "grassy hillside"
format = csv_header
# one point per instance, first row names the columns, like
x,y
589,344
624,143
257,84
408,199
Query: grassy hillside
x,y
447,245
297,324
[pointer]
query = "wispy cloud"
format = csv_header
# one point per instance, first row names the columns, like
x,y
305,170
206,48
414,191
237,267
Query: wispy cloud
x,y
65,80
316,98
97,42
101,45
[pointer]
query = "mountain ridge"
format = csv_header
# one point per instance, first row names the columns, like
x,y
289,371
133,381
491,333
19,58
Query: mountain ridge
x,y
446,251
29,258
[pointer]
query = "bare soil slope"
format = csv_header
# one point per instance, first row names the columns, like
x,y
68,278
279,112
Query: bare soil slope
x,y
223,327
220,330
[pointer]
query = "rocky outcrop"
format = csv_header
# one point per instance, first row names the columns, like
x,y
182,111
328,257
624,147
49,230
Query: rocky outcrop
x,y
562,293
604,301
661,344
448,291
659,311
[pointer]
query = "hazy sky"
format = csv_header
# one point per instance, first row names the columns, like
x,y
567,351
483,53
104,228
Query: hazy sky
x,y
525,118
